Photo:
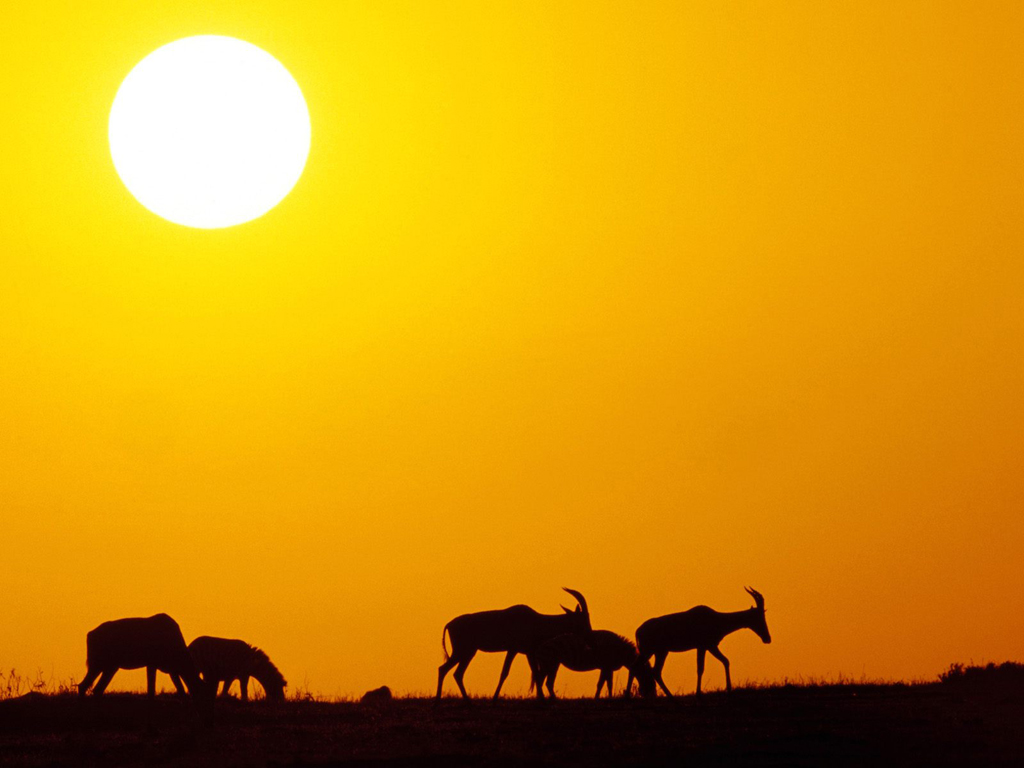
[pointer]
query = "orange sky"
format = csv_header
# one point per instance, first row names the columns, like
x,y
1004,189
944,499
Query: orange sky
x,y
651,300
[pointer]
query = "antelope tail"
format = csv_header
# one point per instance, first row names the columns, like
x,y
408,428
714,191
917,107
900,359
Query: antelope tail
x,y
443,648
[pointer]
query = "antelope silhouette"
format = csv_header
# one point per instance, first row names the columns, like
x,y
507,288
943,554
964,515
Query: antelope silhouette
x,y
515,630
155,643
221,660
599,649
699,628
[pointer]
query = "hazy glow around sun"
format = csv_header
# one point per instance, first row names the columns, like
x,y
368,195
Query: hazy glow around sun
x,y
209,131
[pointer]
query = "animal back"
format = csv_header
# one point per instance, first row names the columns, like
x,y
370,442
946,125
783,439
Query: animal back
x,y
683,631
220,658
491,631
138,642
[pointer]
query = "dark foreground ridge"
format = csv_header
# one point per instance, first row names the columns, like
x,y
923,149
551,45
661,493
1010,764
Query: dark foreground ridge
x,y
933,724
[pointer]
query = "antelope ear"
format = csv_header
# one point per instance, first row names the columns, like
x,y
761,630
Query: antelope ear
x,y
578,609
567,610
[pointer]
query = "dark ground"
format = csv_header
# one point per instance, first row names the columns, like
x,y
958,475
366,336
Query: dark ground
x,y
930,724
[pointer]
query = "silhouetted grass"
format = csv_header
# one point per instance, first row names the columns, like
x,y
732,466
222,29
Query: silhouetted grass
x,y
810,722
810,681
14,684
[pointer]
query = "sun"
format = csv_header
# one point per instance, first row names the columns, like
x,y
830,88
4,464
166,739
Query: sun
x,y
209,131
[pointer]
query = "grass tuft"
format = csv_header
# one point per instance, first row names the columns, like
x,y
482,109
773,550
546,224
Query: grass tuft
x,y
13,684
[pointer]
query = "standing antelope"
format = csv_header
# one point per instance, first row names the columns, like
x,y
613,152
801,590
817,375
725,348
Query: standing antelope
x,y
515,630
699,628
219,659
599,649
155,643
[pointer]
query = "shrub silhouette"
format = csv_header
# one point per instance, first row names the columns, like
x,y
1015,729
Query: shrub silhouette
x,y
1009,676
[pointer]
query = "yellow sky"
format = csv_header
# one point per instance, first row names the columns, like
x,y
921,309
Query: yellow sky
x,y
650,300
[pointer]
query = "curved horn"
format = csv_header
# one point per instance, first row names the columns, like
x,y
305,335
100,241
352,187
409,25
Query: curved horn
x,y
758,597
579,599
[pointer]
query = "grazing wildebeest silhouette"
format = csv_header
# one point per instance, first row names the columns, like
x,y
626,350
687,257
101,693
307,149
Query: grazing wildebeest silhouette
x,y
599,649
515,630
155,643
222,660
699,628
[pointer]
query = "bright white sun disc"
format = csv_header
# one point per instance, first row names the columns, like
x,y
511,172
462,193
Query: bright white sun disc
x,y
209,131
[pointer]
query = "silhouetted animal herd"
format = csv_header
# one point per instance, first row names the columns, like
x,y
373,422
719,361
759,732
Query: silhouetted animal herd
x,y
567,639
549,642
157,644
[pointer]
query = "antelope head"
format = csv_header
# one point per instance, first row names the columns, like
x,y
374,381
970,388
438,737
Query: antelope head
x,y
582,613
759,625
644,678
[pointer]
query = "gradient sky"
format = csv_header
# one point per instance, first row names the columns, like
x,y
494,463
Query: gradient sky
x,y
653,300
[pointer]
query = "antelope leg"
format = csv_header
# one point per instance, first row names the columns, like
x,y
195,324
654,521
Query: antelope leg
x,y
509,658
725,663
